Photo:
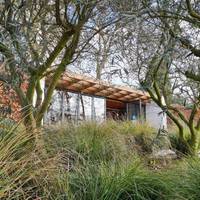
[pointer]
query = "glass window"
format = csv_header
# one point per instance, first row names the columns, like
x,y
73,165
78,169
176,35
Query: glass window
x,y
85,107
72,106
99,108
134,111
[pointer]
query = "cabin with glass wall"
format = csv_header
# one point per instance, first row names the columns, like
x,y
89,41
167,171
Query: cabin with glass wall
x,y
79,98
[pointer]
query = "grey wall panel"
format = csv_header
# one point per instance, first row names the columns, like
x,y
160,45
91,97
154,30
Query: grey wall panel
x,y
155,117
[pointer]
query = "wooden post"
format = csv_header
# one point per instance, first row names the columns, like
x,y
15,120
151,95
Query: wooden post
x,y
83,106
145,112
77,107
140,110
127,114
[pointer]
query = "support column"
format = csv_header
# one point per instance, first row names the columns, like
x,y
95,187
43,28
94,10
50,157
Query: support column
x,y
77,107
105,117
92,109
127,111
140,110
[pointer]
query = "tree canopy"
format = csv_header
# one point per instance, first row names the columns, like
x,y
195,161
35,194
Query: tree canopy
x,y
40,38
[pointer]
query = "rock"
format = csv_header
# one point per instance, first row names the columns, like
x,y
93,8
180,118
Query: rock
x,y
161,142
165,154
161,147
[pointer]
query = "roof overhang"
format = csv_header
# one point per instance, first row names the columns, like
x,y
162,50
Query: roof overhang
x,y
85,85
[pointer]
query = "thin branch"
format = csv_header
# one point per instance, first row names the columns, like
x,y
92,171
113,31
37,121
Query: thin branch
x,y
91,37
191,11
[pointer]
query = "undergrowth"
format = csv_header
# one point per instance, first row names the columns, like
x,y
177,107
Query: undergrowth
x,y
90,161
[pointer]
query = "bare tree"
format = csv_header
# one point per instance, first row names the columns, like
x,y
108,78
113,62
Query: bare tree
x,y
97,58
165,51
40,38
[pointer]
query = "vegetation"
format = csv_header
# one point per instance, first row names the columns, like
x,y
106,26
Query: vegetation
x,y
91,161
151,43
155,44
40,38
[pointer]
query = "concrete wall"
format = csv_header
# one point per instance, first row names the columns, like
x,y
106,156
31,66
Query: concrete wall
x,y
155,117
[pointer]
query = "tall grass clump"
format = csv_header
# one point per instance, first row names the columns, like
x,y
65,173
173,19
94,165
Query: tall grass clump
x,y
94,142
24,171
98,163
116,182
109,140
185,179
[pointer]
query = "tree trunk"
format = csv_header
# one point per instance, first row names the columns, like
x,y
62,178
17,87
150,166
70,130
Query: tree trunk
x,y
194,142
83,107
29,120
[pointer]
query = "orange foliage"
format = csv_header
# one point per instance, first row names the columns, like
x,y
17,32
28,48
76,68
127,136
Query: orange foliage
x,y
9,102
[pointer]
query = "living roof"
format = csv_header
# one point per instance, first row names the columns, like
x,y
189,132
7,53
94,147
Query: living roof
x,y
79,83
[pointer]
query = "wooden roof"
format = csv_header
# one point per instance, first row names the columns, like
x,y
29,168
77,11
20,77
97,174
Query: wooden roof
x,y
79,83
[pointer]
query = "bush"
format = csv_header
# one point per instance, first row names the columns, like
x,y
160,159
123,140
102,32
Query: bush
x,y
179,145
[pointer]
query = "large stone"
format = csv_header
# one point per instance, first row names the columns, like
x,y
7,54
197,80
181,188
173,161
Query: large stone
x,y
161,147
161,142
165,154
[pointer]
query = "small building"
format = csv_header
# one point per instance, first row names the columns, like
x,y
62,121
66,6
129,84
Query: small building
x,y
79,98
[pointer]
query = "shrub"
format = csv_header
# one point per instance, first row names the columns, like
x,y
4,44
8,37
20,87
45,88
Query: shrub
x,y
179,145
